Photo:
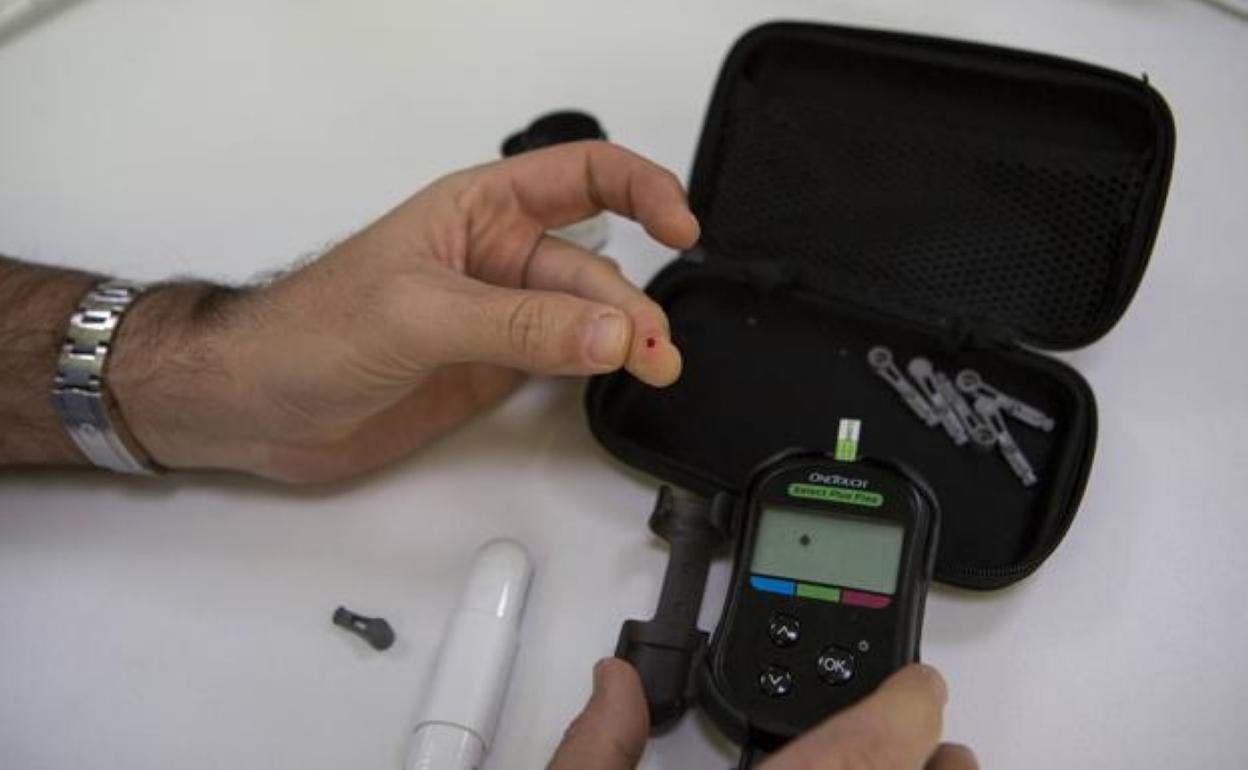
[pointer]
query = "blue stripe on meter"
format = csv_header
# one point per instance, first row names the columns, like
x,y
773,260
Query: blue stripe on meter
x,y
773,585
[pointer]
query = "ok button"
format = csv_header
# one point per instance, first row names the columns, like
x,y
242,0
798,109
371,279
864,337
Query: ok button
x,y
835,665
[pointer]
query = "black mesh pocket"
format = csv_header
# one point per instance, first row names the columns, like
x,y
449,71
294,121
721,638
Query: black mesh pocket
x,y
936,222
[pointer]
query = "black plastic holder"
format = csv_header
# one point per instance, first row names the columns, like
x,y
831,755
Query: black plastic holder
x,y
667,649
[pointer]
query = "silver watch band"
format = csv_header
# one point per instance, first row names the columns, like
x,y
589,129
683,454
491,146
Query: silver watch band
x,y
78,388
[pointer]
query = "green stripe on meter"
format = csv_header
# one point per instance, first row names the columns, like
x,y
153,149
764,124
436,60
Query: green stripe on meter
x,y
836,495
822,593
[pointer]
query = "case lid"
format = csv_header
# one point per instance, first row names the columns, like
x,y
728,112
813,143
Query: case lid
x,y
956,184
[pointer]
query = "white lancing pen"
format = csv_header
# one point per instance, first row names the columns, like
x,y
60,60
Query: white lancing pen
x,y
456,724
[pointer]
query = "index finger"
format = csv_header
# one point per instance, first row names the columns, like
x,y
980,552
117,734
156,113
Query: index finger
x,y
895,728
559,185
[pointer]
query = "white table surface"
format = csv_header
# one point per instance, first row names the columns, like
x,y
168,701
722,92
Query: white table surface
x,y
186,623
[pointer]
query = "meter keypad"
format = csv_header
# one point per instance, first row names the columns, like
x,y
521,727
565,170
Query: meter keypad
x,y
775,681
835,665
783,629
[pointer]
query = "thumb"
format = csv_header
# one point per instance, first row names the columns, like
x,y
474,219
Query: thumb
x,y
544,332
610,734
895,728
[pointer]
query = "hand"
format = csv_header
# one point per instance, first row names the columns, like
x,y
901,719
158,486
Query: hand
x,y
895,728
401,333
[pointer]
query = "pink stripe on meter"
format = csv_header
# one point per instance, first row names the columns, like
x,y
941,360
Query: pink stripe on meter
x,y
859,599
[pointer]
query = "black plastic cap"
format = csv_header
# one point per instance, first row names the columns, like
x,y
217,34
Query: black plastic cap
x,y
553,128
376,631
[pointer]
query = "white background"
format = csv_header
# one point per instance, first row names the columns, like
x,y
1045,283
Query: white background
x,y
185,623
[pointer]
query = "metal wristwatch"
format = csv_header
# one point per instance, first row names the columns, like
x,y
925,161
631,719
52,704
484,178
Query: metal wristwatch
x,y
78,389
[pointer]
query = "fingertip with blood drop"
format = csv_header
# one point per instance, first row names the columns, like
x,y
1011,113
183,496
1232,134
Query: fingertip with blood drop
x,y
651,345
653,357
661,365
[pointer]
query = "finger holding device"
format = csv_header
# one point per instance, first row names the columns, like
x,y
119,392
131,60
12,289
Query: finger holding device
x,y
832,559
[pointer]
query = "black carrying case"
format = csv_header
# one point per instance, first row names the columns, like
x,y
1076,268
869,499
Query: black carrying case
x,y
968,203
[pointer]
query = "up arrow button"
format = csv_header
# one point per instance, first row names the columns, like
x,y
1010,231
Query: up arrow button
x,y
783,629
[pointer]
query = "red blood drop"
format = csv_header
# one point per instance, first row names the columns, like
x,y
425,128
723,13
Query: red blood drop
x,y
649,342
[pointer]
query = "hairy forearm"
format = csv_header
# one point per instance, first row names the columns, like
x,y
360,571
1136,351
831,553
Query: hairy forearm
x,y
173,374
160,366
35,305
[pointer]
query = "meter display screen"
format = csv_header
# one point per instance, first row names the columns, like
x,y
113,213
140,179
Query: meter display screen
x,y
839,550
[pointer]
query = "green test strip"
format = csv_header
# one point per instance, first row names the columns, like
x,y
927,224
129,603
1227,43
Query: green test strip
x,y
847,440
